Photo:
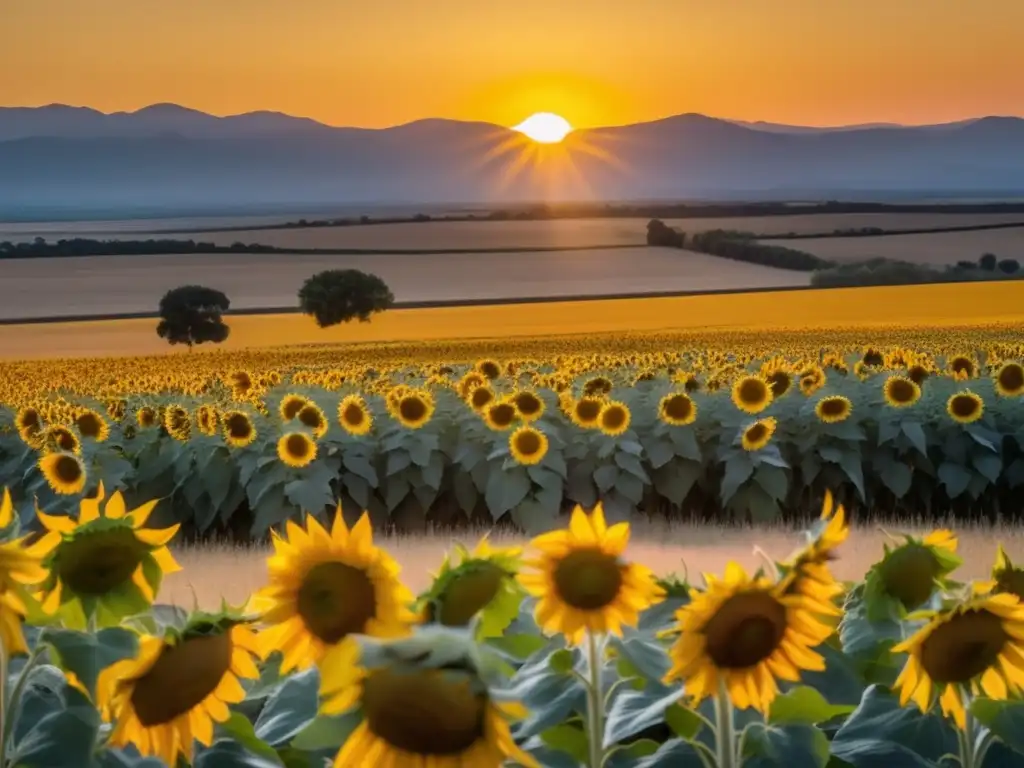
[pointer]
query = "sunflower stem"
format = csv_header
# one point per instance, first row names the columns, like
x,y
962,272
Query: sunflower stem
x,y
10,709
968,736
595,700
725,727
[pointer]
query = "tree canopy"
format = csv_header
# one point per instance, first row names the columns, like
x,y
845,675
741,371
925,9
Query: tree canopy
x,y
191,314
340,295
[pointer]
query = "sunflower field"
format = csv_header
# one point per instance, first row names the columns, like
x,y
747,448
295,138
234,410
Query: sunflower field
x,y
560,655
718,428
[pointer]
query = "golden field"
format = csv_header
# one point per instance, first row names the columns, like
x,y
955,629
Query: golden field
x,y
931,307
931,248
97,285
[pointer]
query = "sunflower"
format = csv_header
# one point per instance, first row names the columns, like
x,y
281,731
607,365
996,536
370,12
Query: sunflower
x,y
499,416
414,409
480,397
19,567
1007,577
29,423
528,445
528,405
415,714
176,687
92,425
751,394
965,407
291,405
614,418
238,429
833,409
582,582
490,369
206,420
354,415
585,412
677,409
807,572
1009,379
598,385
779,381
470,381
918,373
963,366
116,409
60,438
759,434
145,417
64,472
975,648
177,422
105,561
312,417
900,392
296,449
325,586
481,582
912,572
741,635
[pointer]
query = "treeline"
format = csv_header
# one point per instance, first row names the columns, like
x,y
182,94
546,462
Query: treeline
x,y
744,246
79,246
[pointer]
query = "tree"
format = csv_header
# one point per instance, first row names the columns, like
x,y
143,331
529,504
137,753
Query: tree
x,y
191,314
988,262
1009,266
340,295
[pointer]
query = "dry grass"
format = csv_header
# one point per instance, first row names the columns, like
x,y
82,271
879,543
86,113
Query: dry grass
x,y
938,248
110,284
556,233
233,573
929,306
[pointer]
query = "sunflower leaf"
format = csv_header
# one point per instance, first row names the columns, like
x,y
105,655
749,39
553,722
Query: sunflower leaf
x,y
797,744
1005,719
804,705
289,709
241,730
86,655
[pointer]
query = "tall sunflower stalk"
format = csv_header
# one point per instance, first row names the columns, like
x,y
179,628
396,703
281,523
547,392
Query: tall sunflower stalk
x,y
586,591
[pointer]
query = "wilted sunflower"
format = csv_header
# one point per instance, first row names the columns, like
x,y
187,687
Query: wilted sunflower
x,y
64,472
354,415
751,394
900,392
743,634
325,586
528,405
105,560
312,417
480,397
416,714
92,425
59,438
759,434
145,417
1007,577
528,445
614,418
296,449
291,405
1009,379
238,429
414,409
974,648
586,411
177,687
911,572
965,407
480,582
677,409
583,583
19,567
833,409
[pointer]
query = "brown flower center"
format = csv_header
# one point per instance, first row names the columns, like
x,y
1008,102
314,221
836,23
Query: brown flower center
x,y
67,469
752,391
94,563
182,677
412,409
1011,377
963,647
588,579
745,630
468,593
336,600
909,574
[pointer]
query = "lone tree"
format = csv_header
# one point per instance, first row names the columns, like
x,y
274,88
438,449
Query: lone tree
x,y
191,315
988,262
339,295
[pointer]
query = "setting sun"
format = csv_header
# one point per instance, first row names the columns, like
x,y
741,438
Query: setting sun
x,y
545,127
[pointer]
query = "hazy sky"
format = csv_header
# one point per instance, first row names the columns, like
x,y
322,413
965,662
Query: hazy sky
x,y
597,62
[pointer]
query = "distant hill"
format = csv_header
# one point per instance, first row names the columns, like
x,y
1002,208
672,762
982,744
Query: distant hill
x,y
166,155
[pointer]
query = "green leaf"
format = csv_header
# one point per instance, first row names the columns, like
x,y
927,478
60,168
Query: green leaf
x,y
804,706
519,646
882,734
646,656
684,722
60,739
634,711
561,661
673,754
242,731
568,739
770,745
89,654
289,709
1005,719
955,478
226,753
326,732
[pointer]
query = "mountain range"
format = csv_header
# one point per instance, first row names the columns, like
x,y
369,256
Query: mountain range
x,y
170,156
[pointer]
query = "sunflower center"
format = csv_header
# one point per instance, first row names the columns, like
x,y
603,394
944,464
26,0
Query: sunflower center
x,y
613,417
310,417
297,445
902,391
490,369
468,593
89,425
833,407
528,443
94,563
588,579
963,365
678,408
292,407
909,574
412,408
756,432
963,647
501,415
917,374
336,600
239,426
963,406
182,677
1011,377
779,382
587,410
528,403
67,469
745,630
424,712
481,396
752,391
353,415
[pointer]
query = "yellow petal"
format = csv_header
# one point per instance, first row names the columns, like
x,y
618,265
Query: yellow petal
x,y
6,509
157,537
115,509
140,515
165,560
58,523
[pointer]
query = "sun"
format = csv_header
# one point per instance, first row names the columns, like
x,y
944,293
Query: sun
x,y
545,127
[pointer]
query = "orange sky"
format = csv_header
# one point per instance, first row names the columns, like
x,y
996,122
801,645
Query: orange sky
x,y
597,62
